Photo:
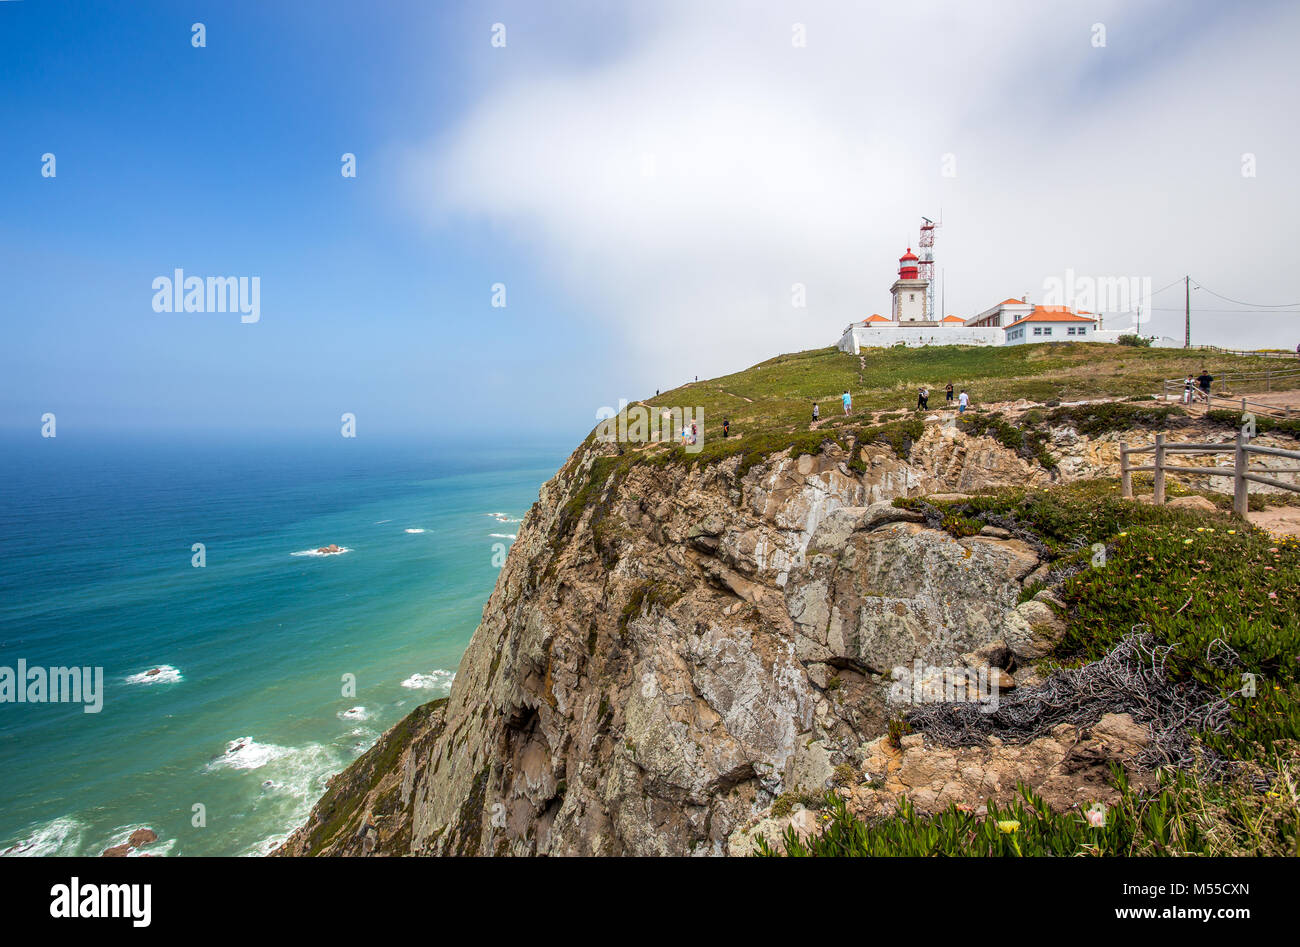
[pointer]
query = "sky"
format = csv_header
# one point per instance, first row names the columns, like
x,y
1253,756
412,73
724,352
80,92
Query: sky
x,y
649,188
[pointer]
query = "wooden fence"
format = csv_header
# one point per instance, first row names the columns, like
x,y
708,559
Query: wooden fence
x,y
1285,378
1241,473
1254,353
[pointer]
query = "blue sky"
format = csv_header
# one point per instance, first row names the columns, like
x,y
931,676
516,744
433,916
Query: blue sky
x,y
225,160
528,165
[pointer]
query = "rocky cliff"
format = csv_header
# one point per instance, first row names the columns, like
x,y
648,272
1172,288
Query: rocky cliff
x,y
671,648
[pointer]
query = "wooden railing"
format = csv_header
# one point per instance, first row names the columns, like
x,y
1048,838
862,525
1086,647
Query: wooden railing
x,y
1286,377
1256,353
1241,473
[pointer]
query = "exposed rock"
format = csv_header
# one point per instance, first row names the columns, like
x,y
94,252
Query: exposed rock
x,y
142,837
667,652
1068,768
1192,503
1032,629
1001,679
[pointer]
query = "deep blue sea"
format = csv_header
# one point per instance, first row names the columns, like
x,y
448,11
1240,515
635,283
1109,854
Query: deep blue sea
x,y
248,714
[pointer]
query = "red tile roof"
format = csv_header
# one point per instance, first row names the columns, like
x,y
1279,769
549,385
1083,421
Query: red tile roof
x,y
1013,302
953,319
876,317
1051,314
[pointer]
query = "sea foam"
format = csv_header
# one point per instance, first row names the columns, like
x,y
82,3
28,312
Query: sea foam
x,y
433,680
166,675
247,753
60,836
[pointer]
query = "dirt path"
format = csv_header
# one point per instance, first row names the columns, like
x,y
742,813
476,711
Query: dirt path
x,y
1279,400
1278,520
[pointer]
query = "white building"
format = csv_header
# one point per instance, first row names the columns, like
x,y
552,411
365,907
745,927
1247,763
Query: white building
x,y
1010,322
1050,324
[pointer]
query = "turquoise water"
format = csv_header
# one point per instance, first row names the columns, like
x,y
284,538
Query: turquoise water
x,y
249,716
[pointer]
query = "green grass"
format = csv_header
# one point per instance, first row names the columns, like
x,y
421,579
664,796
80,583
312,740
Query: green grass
x,y
1092,420
770,404
1192,578
778,393
1183,816
1263,423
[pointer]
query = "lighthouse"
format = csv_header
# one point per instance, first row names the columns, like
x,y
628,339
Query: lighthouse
x,y
910,292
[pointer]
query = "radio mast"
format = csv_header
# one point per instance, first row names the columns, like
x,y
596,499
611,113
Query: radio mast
x,y
925,266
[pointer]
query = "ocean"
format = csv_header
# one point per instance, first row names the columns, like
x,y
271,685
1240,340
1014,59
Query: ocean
x,y
224,748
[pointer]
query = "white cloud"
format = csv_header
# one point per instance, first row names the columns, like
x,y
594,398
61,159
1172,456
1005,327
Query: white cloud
x,y
680,189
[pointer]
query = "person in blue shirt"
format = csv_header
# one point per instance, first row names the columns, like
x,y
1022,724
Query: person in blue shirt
x,y
848,402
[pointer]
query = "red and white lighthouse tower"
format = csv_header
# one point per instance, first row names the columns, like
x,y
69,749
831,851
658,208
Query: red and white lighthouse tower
x,y
909,290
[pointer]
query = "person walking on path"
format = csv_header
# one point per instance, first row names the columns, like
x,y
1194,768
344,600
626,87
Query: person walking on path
x,y
1203,381
962,402
948,391
848,401
1187,389
817,412
726,427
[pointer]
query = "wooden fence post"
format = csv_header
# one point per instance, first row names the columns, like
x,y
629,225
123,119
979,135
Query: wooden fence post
x,y
1125,478
1158,497
1240,486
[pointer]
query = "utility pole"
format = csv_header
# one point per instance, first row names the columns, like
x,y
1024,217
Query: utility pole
x,y
1187,312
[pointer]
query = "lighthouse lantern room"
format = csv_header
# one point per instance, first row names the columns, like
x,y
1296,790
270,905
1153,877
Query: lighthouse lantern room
x,y
910,291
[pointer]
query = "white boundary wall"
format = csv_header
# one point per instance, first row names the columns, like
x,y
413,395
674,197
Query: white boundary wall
x,y
859,337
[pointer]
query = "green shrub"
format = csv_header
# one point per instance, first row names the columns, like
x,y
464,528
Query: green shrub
x,y
1201,582
1093,420
1183,815
1263,423
1025,440
899,435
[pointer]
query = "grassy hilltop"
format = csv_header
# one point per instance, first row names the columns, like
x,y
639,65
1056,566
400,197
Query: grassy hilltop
x,y
779,393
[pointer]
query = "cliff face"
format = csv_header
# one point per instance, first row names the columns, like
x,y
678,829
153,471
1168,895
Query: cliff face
x,y
670,648
668,651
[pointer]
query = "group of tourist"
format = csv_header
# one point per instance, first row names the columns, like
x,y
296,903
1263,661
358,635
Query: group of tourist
x,y
923,398
922,401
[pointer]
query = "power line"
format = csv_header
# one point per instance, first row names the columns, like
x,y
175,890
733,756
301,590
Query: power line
x,y
1240,303
1171,285
1264,312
